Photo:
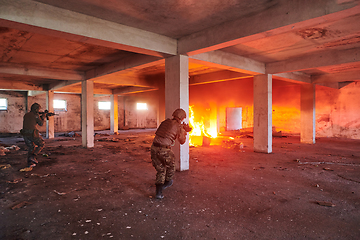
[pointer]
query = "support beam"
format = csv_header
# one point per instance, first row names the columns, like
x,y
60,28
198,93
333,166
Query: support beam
x,y
87,113
114,114
161,105
50,107
290,16
131,90
229,61
337,77
263,113
307,107
177,96
134,62
19,85
220,76
315,60
46,73
32,16
57,85
295,77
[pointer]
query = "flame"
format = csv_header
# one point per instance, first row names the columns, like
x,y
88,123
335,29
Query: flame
x,y
199,130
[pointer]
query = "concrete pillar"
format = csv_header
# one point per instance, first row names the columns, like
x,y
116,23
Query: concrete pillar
x,y
50,107
307,107
177,96
87,113
161,105
114,114
263,113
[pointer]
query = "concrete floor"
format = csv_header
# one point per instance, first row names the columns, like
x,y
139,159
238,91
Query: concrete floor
x,y
300,191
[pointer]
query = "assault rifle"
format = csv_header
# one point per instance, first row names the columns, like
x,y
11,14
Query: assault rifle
x,y
186,127
47,114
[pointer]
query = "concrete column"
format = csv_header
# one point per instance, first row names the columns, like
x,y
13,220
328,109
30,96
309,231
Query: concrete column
x,y
114,114
161,105
87,113
50,107
307,107
177,96
263,113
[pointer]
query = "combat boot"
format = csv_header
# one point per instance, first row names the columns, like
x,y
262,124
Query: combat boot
x,y
159,188
168,184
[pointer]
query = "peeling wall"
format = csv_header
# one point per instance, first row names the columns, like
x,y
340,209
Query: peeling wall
x,y
11,120
70,120
337,110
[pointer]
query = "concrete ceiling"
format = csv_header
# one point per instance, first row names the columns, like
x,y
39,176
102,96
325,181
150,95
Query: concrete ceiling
x,y
121,45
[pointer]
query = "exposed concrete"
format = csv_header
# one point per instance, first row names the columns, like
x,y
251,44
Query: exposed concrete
x,y
114,114
177,96
307,134
263,113
50,107
87,126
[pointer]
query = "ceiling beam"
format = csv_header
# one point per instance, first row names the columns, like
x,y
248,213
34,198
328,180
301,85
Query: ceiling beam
x,y
131,90
283,17
58,86
315,60
229,61
19,85
296,77
219,76
47,73
337,77
133,62
32,16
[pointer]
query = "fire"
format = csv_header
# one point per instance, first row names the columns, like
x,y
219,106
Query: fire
x,y
200,129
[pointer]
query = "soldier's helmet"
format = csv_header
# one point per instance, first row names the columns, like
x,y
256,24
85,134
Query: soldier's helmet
x,y
35,107
179,113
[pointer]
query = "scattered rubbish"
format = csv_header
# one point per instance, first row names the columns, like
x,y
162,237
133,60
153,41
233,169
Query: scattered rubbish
x,y
331,163
258,168
326,204
128,227
3,151
328,169
59,193
20,205
13,147
74,234
45,155
42,176
70,134
86,232
15,180
4,166
27,169
108,140
88,221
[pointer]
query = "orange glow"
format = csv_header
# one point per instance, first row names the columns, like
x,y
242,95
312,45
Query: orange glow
x,y
200,129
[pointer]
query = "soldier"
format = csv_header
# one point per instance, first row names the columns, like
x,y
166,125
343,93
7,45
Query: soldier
x,y
163,158
31,134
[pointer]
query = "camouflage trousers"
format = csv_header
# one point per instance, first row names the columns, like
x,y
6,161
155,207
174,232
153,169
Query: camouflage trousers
x,y
163,160
34,144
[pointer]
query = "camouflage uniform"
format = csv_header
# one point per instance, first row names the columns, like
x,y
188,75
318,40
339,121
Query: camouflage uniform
x,y
162,157
31,135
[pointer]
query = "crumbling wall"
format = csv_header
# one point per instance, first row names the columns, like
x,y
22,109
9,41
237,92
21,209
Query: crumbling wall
x,y
140,118
11,120
338,111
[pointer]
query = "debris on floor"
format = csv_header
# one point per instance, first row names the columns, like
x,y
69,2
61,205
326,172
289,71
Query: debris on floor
x,y
27,169
15,180
4,166
326,204
20,205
